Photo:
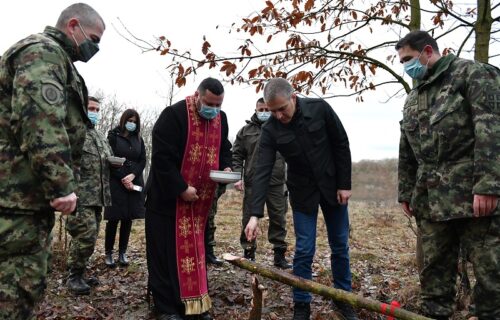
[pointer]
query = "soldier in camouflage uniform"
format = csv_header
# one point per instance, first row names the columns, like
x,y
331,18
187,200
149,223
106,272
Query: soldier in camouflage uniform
x,y
42,131
210,228
93,195
449,171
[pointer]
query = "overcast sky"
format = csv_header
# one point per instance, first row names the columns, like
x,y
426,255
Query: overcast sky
x,y
141,81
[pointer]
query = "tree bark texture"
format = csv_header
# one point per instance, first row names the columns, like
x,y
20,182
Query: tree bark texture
x,y
483,30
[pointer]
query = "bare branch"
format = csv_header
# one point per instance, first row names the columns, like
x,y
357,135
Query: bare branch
x,y
464,42
148,47
358,92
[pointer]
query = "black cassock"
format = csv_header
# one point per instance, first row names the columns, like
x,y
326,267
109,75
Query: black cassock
x,y
164,185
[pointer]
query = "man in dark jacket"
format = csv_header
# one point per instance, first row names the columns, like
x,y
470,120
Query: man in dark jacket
x,y
311,138
245,150
189,140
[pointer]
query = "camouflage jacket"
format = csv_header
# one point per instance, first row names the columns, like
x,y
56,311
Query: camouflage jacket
x,y
43,121
93,187
245,151
450,139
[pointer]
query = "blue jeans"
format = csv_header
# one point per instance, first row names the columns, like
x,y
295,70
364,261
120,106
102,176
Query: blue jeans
x,y
337,227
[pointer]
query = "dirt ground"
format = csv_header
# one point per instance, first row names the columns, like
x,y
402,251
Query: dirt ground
x,y
383,265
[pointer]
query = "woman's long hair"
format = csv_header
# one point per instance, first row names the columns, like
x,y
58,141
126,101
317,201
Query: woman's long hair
x,y
127,114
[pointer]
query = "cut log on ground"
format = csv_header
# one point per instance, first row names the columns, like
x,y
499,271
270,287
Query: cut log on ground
x,y
325,291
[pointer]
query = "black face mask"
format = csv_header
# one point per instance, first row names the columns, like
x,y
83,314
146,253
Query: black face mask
x,y
87,49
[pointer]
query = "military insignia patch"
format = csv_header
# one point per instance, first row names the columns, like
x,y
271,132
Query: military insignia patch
x,y
493,100
52,92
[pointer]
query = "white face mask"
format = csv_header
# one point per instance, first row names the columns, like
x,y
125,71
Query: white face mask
x,y
263,115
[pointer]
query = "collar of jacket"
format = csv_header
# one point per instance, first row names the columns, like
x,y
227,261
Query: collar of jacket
x,y
298,110
254,120
438,69
60,37
118,132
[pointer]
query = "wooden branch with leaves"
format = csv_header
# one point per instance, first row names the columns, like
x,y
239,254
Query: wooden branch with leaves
x,y
279,43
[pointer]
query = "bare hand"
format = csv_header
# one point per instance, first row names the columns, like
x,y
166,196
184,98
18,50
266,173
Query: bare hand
x,y
189,194
128,178
406,209
66,204
343,196
228,169
252,228
484,205
128,185
239,186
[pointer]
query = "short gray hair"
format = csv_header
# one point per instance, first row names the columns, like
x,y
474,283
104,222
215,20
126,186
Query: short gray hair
x,y
277,87
83,12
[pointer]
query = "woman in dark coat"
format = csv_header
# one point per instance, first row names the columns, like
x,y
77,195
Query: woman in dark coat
x,y
127,203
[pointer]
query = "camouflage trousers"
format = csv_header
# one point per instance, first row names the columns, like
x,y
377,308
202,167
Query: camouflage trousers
x,y
210,226
277,206
83,227
24,248
480,237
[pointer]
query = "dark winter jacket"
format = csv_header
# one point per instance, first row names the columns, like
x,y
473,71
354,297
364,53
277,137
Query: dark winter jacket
x,y
316,149
245,151
126,204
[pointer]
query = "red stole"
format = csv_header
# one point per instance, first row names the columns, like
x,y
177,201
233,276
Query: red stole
x,y
200,156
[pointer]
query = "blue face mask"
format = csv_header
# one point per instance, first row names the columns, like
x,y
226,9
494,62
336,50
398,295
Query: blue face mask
x,y
130,126
264,115
94,117
208,112
415,69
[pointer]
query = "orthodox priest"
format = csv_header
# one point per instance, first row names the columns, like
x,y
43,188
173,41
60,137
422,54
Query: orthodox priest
x,y
189,140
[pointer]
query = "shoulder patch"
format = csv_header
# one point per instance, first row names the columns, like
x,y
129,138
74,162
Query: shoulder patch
x,y
52,92
51,58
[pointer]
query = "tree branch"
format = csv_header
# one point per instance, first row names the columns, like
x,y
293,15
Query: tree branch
x,y
444,9
320,289
360,91
464,42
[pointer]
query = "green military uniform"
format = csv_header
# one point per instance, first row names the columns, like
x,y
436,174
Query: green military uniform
x,y
210,226
93,195
245,151
449,151
43,103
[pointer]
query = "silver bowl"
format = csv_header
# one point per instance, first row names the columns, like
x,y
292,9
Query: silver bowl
x,y
116,160
225,176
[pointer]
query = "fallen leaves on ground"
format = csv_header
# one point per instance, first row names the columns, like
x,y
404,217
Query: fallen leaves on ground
x,y
382,261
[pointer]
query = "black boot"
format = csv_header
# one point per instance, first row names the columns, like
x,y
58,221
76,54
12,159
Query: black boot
x,y
165,316
205,316
301,311
249,254
345,310
122,259
76,284
91,281
210,257
110,262
280,260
